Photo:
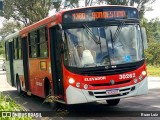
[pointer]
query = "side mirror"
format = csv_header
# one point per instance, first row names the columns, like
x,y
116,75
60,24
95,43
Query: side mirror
x,y
144,37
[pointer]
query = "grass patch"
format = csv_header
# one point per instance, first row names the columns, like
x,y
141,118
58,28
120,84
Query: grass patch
x,y
153,70
8,104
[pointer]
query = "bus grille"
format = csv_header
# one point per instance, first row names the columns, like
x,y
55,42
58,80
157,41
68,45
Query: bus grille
x,y
102,94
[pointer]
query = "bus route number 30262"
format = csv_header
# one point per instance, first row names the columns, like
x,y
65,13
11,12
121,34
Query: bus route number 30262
x,y
126,76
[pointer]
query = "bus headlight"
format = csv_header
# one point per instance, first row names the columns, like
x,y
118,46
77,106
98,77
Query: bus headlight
x,y
71,80
78,84
85,86
144,73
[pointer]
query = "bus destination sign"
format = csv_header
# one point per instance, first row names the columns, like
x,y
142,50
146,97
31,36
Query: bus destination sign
x,y
87,15
98,15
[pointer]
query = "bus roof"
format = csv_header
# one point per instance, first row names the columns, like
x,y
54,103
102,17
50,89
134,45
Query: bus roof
x,y
39,24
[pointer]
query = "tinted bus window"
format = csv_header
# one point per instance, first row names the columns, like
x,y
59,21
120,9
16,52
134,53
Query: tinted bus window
x,y
43,43
19,49
33,37
38,43
15,48
7,50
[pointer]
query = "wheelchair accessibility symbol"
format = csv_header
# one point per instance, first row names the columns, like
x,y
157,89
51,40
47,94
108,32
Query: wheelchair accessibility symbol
x,y
127,58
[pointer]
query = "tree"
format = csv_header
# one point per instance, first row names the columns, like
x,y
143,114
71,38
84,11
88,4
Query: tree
x,y
30,11
9,27
117,2
143,6
26,11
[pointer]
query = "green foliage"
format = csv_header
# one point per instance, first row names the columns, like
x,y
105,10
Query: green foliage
x,y
8,104
1,49
26,11
152,54
154,26
153,70
153,35
8,28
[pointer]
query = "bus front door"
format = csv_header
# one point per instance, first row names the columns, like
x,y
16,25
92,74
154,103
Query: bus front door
x,y
56,64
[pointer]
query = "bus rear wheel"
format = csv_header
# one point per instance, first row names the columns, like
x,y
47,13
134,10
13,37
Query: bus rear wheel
x,y
113,102
19,90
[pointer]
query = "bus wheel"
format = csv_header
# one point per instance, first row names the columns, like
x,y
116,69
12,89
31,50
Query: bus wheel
x,y
113,102
52,103
19,90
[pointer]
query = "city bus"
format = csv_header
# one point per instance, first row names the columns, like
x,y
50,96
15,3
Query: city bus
x,y
80,55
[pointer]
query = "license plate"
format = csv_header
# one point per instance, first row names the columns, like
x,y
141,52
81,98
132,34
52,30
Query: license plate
x,y
112,91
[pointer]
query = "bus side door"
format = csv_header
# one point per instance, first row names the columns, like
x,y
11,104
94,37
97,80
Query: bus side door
x,y
25,62
9,63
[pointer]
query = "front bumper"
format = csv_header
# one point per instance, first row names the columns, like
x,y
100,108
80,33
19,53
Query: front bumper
x,y
76,96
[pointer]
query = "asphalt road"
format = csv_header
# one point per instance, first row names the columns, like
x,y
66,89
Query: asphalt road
x,y
97,110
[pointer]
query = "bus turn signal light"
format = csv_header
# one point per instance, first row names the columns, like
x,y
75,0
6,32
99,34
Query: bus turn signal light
x,y
85,86
78,84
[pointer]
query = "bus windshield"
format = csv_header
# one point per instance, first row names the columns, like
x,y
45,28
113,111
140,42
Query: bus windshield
x,y
102,46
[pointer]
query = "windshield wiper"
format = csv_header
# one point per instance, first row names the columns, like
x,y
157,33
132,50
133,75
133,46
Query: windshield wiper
x,y
118,31
88,30
112,41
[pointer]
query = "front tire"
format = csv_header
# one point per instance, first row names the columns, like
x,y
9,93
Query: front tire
x,y
49,93
113,102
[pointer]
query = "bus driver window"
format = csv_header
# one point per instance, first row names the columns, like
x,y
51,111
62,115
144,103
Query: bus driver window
x,y
85,56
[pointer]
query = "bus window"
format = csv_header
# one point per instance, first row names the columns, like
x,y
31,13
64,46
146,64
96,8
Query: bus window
x,y
43,43
15,48
7,50
33,37
19,49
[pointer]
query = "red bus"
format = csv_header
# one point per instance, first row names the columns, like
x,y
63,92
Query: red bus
x,y
80,55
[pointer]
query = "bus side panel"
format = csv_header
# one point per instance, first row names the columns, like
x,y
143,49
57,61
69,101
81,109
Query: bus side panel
x,y
34,75
8,72
18,70
38,75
